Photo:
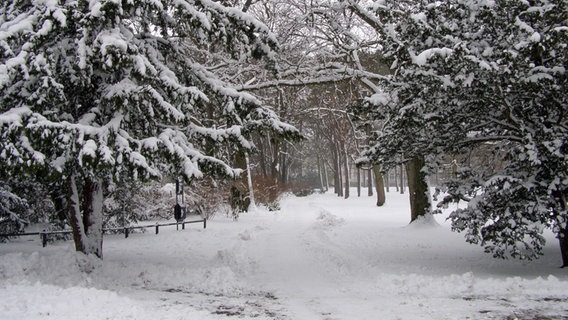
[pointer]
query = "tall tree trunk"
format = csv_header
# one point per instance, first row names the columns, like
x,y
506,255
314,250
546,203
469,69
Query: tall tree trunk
x,y
336,174
358,182
320,173
325,176
339,171
284,164
370,182
85,215
262,155
380,185
563,232
346,166
275,167
241,195
402,179
420,204
340,179
387,181
249,182
563,239
396,179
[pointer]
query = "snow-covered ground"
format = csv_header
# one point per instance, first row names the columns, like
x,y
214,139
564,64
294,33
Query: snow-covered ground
x,y
320,257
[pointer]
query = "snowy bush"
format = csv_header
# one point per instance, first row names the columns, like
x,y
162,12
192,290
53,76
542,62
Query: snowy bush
x,y
12,209
95,92
475,74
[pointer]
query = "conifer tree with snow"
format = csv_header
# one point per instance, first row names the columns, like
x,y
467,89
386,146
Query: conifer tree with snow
x,y
96,91
480,75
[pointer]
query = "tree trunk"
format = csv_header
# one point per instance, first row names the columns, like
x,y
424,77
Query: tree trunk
x,y
358,182
320,173
85,215
563,232
339,170
275,167
419,194
263,155
370,182
563,239
347,173
402,179
284,164
241,195
396,179
387,181
249,182
380,185
325,176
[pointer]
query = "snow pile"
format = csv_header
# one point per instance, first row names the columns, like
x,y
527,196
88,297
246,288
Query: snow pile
x,y
65,268
427,221
54,302
327,219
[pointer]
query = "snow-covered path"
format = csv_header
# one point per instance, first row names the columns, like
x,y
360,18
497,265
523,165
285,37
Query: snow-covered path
x,y
321,257
331,258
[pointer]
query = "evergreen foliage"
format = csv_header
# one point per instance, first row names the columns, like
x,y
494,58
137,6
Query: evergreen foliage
x,y
479,74
12,208
101,90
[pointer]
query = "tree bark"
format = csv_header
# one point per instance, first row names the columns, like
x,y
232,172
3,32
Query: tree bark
x,y
419,193
358,182
284,164
563,232
249,182
379,185
347,173
563,239
339,170
325,176
262,156
396,178
402,179
275,167
320,173
85,215
370,182
241,195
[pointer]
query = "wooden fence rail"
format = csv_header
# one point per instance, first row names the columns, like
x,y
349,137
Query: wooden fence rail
x,y
45,234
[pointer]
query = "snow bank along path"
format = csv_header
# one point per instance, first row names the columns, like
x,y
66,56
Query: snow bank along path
x,y
320,257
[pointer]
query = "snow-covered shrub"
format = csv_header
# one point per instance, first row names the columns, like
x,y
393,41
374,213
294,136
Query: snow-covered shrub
x,y
268,193
12,208
94,92
126,204
473,74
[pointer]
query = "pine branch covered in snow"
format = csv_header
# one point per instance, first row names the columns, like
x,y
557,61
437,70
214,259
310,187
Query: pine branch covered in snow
x,y
480,76
10,212
108,84
105,90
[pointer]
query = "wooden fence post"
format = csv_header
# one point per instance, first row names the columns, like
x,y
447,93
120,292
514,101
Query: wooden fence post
x,y
44,239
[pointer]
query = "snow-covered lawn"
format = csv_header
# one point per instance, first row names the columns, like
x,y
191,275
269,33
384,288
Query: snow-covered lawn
x,y
320,257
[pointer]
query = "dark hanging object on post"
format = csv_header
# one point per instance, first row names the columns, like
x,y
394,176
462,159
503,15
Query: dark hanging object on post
x,y
179,209
179,213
